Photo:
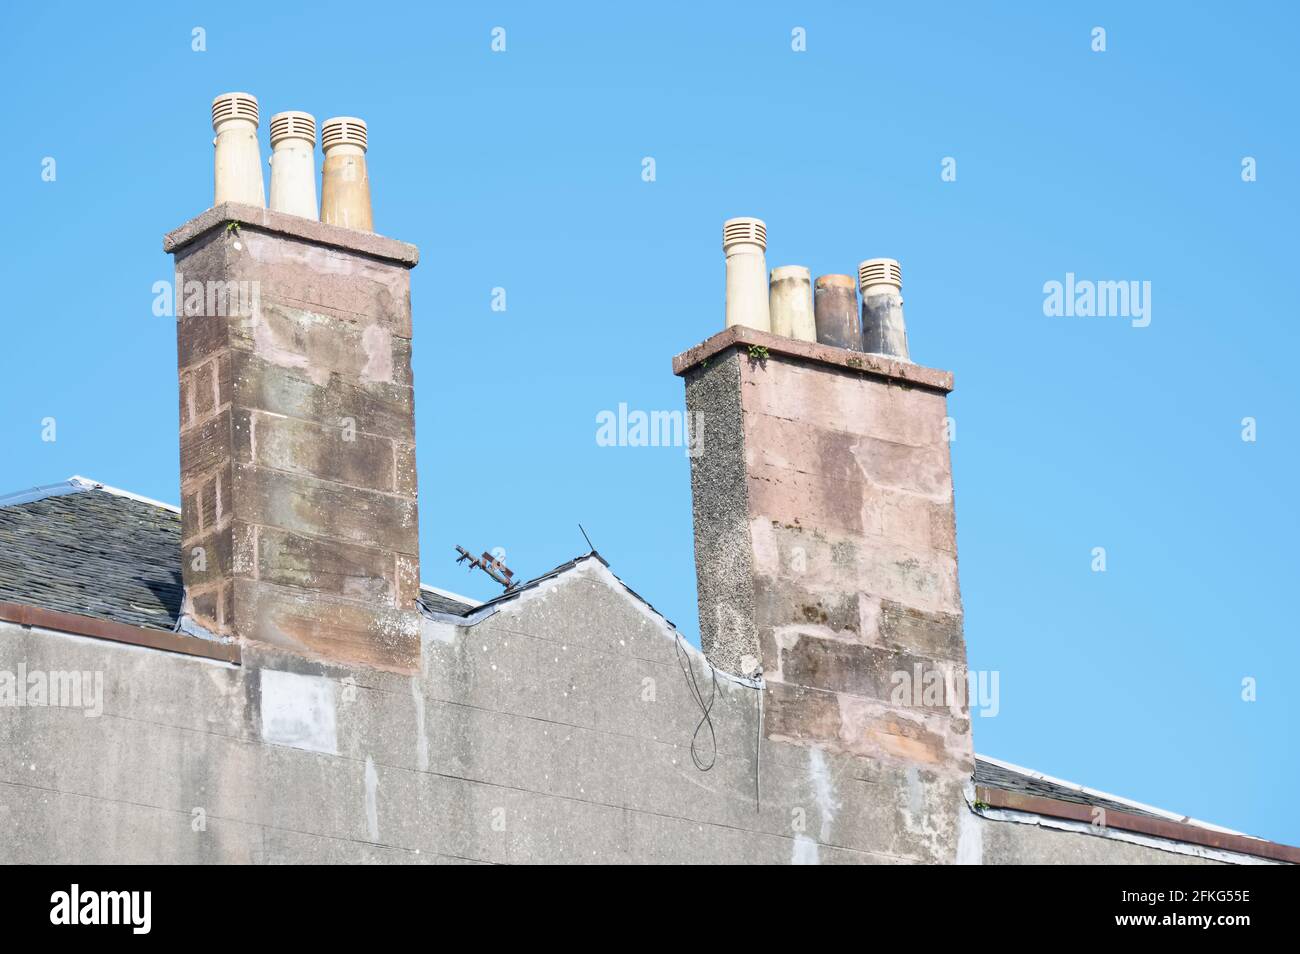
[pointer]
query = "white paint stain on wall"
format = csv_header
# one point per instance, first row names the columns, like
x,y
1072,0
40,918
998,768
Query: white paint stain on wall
x,y
299,711
819,774
372,800
806,850
970,838
421,740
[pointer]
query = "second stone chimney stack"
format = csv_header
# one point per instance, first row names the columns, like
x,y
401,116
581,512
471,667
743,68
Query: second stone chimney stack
x,y
298,482
825,545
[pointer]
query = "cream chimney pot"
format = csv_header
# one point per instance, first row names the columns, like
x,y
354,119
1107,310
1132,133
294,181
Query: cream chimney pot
x,y
883,328
238,163
293,163
790,303
345,187
744,240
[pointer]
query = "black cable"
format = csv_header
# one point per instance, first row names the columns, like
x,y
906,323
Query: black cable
x,y
684,662
758,744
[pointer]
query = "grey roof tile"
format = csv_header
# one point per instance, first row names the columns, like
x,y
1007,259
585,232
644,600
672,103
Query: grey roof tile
x,y
93,553
441,603
76,548
1009,780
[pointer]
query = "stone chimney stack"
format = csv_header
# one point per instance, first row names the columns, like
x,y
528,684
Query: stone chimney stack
x,y
297,437
825,545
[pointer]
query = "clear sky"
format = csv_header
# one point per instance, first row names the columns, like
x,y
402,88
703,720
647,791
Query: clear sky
x,y
523,170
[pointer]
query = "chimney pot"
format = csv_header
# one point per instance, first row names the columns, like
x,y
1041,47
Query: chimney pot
x,y
836,311
237,162
883,329
790,303
744,240
345,186
293,163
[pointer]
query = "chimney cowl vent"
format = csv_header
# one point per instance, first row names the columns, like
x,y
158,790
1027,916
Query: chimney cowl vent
x,y
744,242
343,131
880,271
229,106
744,229
345,185
293,163
884,330
237,162
293,124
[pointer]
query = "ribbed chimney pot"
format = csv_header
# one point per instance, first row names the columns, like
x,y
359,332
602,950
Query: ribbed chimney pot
x,y
883,328
345,187
237,163
293,164
744,240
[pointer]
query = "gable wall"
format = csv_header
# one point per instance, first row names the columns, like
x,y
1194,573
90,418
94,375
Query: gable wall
x,y
557,730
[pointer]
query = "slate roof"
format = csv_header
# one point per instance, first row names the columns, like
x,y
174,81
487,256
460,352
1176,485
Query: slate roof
x,y
79,548
94,553
442,603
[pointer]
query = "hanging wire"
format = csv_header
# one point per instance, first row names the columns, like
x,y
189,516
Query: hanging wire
x,y
758,744
684,662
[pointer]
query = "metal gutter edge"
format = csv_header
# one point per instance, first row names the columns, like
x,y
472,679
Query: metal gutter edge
x,y
1141,824
77,625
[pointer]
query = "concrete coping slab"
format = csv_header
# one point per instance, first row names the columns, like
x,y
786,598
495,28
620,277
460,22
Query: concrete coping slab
x,y
813,353
294,226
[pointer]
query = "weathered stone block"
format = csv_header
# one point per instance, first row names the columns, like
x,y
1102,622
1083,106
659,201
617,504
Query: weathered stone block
x,y
317,345
800,714
931,634
204,382
883,675
405,481
330,453
328,566
313,277
374,407
207,560
204,447
312,507
315,625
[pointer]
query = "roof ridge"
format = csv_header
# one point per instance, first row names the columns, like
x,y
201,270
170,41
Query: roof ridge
x,y
88,483
77,484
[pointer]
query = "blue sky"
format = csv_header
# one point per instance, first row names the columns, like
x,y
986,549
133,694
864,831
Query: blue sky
x,y
522,170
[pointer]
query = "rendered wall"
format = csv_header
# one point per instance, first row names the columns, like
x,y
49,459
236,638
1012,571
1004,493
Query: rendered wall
x,y
557,730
